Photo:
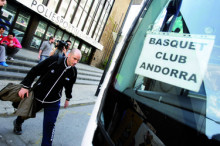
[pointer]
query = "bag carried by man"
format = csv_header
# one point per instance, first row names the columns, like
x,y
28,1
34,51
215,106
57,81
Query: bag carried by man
x,y
26,106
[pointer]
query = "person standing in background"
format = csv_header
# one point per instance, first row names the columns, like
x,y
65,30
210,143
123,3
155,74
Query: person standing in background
x,y
61,48
46,48
68,47
2,29
2,49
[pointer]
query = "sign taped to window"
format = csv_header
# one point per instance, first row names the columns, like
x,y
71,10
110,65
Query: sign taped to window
x,y
177,59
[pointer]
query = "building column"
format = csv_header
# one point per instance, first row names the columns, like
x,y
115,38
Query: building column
x,y
32,26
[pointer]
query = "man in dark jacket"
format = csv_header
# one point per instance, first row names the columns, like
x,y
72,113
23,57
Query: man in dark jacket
x,y
55,73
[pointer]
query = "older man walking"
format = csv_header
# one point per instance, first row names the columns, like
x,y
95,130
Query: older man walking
x,y
55,73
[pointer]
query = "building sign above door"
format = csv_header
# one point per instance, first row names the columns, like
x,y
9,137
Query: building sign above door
x,y
59,20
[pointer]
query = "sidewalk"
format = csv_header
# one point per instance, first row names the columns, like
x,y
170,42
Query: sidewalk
x,y
82,95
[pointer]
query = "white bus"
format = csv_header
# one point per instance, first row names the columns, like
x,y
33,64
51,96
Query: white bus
x,y
163,83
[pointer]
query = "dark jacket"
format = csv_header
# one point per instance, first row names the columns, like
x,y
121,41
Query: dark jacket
x,y
54,75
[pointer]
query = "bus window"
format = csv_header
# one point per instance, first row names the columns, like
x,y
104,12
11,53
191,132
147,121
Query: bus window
x,y
183,105
140,108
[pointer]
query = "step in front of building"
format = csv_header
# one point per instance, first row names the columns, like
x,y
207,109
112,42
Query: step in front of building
x,y
19,67
14,76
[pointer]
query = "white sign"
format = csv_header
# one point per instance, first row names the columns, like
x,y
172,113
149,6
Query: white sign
x,y
176,59
59,20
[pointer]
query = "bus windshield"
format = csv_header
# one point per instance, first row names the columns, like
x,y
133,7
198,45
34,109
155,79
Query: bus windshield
x,y
172,63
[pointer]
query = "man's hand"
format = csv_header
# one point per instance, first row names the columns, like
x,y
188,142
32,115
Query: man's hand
x,y
23,92
64,50
11,45
66,104
39,54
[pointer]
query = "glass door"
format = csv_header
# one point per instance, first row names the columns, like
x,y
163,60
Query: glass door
x,y
85,50
58,35
65,37
50,32
38,35
7,17
21,25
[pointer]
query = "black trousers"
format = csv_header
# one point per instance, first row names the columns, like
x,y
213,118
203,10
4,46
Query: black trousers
x,y
51,111
10,51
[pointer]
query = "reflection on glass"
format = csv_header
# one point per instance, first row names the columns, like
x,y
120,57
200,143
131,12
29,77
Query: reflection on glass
x,y
212,87
91,30
87,24
71,10
22,21
77,17
59,34
97,30
76,44
39,1
82,20
18,34
41,29
85,53
6,30
88,4
65,37
98,13
111,2
105,12
35,43
83,48
99,34
50,32
72,39
63,7
52,4
105,17
93,8
8,14
82,3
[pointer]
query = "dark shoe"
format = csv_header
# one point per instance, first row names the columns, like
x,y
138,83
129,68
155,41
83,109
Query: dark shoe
x,y
17,128
10,58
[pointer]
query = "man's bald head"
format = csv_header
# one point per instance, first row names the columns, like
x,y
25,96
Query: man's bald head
x,y
74,57
76,51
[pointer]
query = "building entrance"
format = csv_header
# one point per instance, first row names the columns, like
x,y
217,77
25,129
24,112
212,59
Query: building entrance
x,y
15,20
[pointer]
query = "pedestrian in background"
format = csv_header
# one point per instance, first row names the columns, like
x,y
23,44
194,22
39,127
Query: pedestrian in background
x,y
46,48
55,73
2,49
61,48
12,45
2,29
68,47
